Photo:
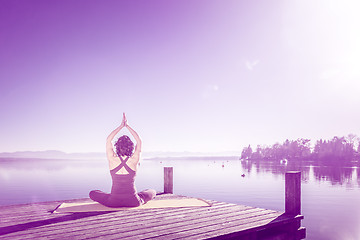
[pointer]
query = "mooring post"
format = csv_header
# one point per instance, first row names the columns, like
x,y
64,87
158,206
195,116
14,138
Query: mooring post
x,y
293,193
168,180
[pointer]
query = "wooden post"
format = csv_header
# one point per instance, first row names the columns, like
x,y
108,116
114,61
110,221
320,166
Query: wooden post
x,y
293,193
168,180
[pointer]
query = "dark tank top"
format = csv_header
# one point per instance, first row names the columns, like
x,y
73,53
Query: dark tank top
x,y
123,183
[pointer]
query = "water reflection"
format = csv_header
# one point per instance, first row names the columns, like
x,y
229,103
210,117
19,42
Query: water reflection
x,y
335,174
328,190
37,180
46,164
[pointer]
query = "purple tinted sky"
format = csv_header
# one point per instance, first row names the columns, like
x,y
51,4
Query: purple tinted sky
x,y
191,75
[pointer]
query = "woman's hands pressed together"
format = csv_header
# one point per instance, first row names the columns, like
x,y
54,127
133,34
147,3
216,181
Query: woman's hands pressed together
x,y
124,121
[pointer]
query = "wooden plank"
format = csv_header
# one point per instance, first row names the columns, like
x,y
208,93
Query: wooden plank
x,y
61,235
130,223
24,212
110,223
220,220
111,217
234,232
176,224
237,229
214,226
41,210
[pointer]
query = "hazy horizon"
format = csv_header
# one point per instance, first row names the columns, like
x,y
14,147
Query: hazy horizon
x,y
197,76
55,154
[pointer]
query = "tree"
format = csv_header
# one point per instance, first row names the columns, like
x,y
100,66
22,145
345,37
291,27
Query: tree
x,y
246,153
334,149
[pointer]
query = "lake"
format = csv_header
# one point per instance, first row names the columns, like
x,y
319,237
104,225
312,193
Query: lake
x,y
330,194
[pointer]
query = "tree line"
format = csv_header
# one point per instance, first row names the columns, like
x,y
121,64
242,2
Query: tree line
x,y
338,148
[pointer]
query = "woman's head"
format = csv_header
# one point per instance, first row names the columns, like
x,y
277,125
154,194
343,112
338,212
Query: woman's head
x,y
124,146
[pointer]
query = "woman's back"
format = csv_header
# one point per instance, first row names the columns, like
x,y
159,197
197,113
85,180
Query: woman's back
x,y
123,183
123,164
131,162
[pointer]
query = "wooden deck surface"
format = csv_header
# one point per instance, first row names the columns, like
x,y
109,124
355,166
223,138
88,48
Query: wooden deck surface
x,y
221,220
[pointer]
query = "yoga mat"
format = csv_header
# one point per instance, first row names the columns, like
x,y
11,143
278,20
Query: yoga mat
x,y
162,203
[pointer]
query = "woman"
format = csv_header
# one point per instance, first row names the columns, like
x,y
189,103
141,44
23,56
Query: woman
x,y
123,166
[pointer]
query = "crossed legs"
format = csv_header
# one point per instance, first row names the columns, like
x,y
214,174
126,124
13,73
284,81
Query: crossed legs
x,y
147,195
107,200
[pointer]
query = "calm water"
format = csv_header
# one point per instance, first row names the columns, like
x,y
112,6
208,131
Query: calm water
x,y
330,194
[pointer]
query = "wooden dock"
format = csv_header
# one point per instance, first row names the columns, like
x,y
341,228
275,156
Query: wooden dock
x,y
220,221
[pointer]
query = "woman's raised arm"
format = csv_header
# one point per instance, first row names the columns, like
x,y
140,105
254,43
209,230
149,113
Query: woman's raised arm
x,y
109,147
137,138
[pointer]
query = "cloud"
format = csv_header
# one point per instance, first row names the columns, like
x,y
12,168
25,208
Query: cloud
x,y
251,64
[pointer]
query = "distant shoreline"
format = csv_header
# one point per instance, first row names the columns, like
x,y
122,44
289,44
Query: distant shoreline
x,y
194,158
225,158
58,155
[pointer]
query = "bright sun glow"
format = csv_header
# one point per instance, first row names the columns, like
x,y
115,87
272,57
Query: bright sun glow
x,y
328,38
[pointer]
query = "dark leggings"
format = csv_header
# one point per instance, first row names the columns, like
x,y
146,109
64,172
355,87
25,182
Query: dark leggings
x,y
124,200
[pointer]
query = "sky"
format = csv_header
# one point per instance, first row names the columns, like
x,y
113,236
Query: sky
x,y
198,76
